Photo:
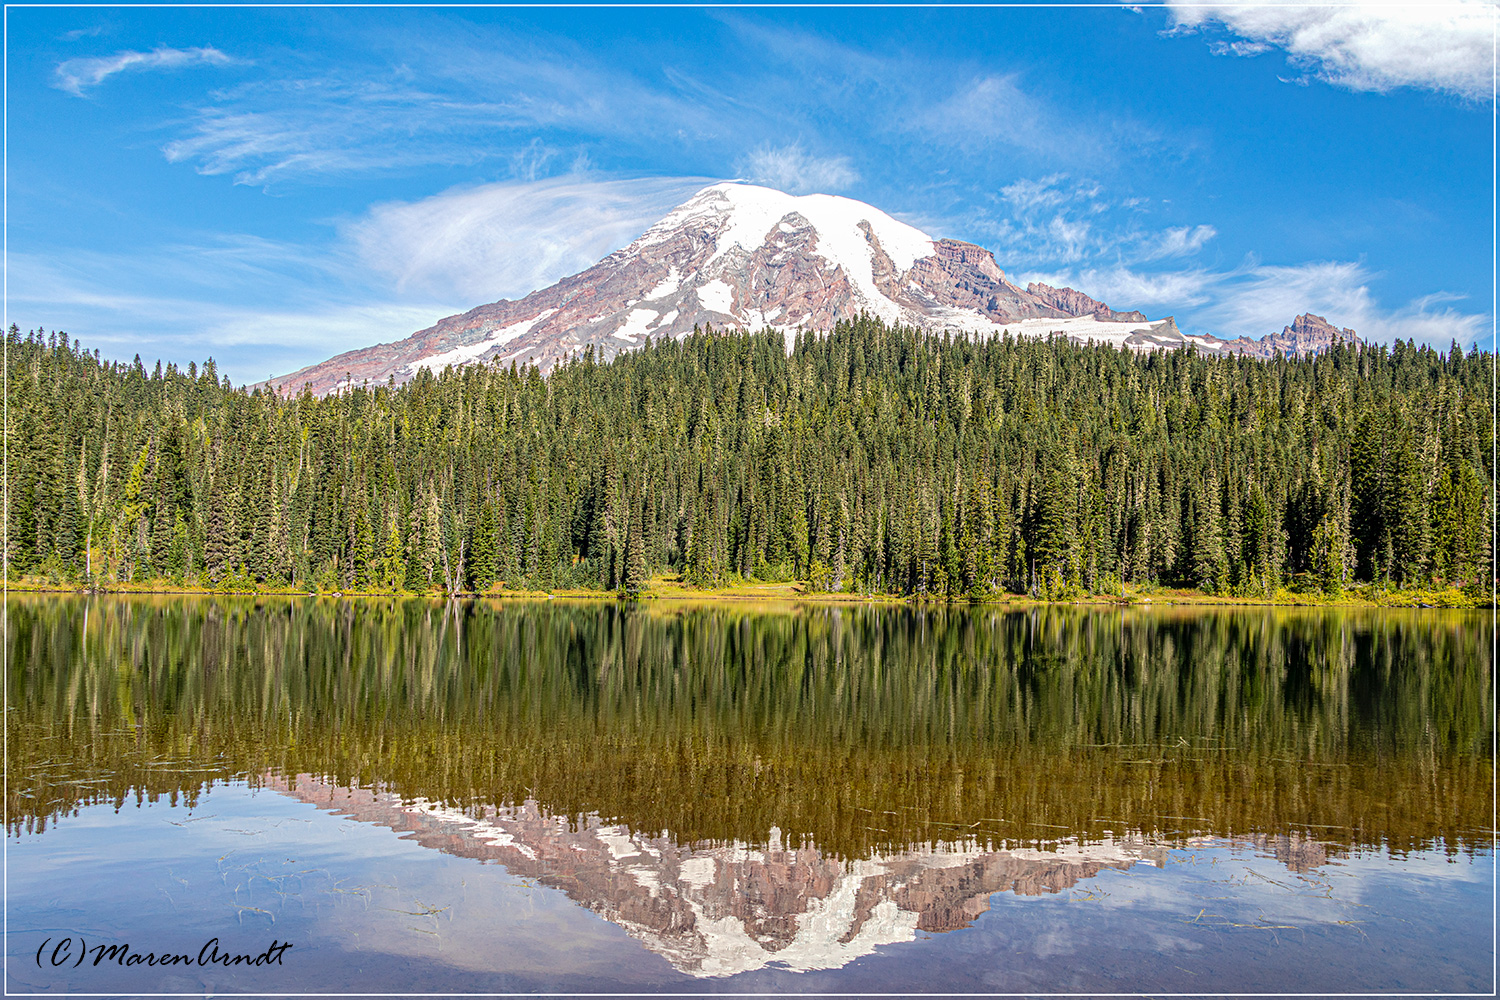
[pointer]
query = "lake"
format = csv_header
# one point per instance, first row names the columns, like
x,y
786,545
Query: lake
x,y
412,796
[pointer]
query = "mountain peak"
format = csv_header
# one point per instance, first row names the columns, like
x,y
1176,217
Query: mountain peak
x,y
742,216
744,256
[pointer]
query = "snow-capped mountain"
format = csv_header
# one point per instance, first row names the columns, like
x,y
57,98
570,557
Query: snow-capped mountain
x,y
740,256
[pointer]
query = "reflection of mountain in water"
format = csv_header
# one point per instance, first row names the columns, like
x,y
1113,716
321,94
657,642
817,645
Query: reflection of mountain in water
x,y
717,910
718,722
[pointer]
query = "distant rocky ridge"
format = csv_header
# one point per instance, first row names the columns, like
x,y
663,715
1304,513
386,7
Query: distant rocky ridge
x,y
740,256
1308,334
721,909
1076,303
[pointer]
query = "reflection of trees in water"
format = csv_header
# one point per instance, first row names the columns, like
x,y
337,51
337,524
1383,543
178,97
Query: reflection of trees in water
x,y
860,728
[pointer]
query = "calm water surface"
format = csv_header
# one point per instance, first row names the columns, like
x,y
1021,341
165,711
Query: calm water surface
x,y
585,797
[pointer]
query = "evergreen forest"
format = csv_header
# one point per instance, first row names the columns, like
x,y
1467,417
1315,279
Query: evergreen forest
x,y
873,460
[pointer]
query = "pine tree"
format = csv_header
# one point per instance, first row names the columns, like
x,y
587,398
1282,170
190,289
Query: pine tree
x,y
1051,536
392,576
484,548
635,560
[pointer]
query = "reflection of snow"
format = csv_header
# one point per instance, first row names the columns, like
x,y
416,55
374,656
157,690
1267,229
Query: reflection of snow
x,y
645,876
820,940
486,833
723,908
618,842
693,904
698,872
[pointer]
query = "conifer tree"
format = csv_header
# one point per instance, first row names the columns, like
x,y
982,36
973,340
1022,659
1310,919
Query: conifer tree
x,y
882,458
635,560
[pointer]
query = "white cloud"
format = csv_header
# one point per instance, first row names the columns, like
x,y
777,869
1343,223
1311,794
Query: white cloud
x,y
995,110
1446,47
791,169
1242,49
1056,220
505,240
295,128
102,299
1265,298
77,75
1124,288
1256,299
262,307
1069,232
78,33
1178,241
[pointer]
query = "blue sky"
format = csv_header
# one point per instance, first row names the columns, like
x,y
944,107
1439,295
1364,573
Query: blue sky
x,y
272,186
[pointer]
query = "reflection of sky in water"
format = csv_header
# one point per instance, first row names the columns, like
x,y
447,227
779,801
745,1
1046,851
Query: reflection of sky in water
x,y
368,909
250,867
793,757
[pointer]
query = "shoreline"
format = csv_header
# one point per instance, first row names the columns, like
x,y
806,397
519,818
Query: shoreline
x,y
671,591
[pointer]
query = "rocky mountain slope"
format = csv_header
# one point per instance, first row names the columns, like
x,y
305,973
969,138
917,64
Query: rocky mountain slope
x,y
741,256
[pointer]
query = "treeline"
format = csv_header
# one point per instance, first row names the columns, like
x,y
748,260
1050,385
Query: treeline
x,y
874,459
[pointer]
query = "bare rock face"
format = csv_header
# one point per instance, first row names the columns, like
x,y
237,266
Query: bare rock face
x,y
1075,303
1307,335
961,276
740,256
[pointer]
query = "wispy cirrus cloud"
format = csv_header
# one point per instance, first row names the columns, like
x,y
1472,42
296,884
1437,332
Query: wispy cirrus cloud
x,y
322,127
79,75
1030,195
793,170
1446,47
1175,241
430,98
1046,221
91,31
477,244
1124,287
962,107
265,307
1058,220
995,110
460,103
155,303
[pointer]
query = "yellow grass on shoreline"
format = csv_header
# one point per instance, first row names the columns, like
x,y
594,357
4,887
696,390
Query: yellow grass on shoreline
x,y
667,588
